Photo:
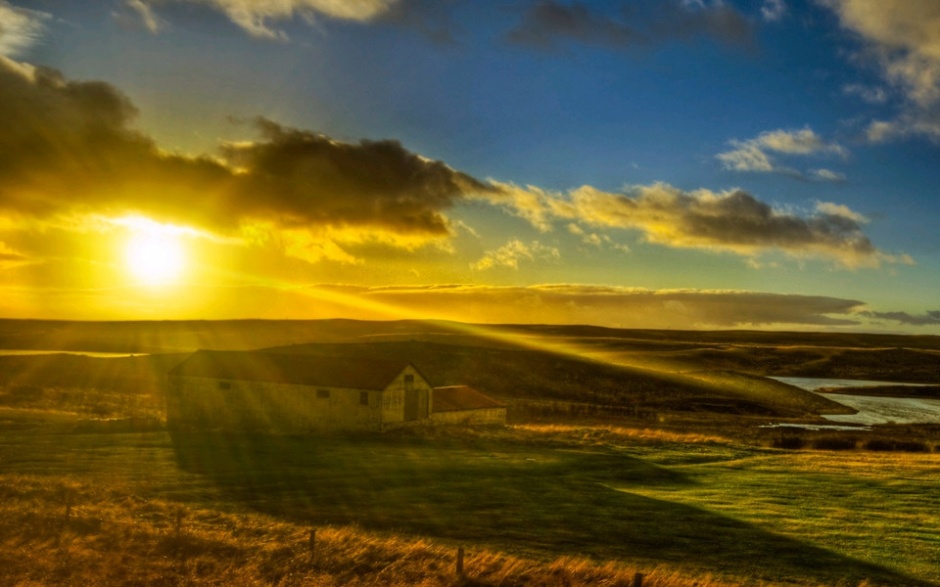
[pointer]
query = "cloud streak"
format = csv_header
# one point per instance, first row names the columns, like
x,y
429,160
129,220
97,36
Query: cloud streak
x,y
548,24
612,306
930,318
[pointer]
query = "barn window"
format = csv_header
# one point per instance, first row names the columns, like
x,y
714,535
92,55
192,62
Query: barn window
x,y
409,382
225,385
323,393
364,398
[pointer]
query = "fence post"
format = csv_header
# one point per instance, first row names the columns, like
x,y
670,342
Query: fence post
x,y
312,542
179,523
638,580
68,507
460,562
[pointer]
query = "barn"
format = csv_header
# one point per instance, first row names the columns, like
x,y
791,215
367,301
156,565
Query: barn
x,y
294,393
461,404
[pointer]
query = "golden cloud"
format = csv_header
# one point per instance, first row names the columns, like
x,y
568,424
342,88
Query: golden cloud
x,y
731,221
514,251
752,154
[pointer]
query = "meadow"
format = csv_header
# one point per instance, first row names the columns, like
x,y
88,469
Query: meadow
x,y
546,502
636,453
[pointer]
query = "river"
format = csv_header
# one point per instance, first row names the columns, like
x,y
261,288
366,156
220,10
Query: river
x,y
25,352
871,410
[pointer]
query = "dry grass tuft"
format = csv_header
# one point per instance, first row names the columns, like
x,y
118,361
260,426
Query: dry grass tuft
x,y
607,434
112,537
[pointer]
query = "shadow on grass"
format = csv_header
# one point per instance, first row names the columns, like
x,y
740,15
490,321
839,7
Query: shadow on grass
x,y
533,501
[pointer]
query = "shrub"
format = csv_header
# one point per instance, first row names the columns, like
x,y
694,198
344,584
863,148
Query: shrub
x,y
882,444
789,441
835,443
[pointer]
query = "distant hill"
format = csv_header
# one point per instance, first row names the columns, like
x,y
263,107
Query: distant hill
x,y
188,336
626,371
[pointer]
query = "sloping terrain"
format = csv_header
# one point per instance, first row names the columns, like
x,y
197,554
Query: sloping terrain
x,y
543,375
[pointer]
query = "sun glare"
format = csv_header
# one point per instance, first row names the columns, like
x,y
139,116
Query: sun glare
x,y
154,254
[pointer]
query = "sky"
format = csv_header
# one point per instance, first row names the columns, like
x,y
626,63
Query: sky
x,y
681,164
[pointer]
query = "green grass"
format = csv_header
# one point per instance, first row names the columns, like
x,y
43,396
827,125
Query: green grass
x,y
744,513
874,507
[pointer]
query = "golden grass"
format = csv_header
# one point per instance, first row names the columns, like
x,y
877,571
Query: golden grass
x,y
73,533
606,433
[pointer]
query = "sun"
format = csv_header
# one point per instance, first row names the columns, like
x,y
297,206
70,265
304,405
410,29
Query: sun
x,y
154,255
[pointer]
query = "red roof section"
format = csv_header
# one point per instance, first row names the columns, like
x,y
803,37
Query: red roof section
x,y
312,370
461,397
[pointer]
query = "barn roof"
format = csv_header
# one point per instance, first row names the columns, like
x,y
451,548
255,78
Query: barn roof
x,y
461,397
296,369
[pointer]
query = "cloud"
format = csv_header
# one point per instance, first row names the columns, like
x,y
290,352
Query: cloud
x,y
870,94
514,251
879,131
256,16
611,306
20,28
930,318
826,175
732,221
70,148
773,10
903,37
753,154
309,178
137,13
548,23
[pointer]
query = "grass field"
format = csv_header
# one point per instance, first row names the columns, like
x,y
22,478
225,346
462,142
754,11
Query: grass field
x,y
688,506
634,451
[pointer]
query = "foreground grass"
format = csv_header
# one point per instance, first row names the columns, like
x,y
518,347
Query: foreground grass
x,y
696,506
73,533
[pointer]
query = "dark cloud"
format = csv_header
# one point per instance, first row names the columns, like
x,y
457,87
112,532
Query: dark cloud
x,y
733,221
548,23
69,147
930,318
310,178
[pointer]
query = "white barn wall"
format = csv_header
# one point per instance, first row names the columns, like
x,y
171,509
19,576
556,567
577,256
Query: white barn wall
x,y
263,406
201,402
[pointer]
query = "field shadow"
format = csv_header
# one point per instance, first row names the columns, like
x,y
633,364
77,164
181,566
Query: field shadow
x,y
533,501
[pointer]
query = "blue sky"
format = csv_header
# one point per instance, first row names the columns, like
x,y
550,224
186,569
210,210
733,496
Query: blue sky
x,y
678,163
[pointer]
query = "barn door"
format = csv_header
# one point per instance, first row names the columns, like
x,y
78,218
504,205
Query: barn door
x,y
411,399
411,405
